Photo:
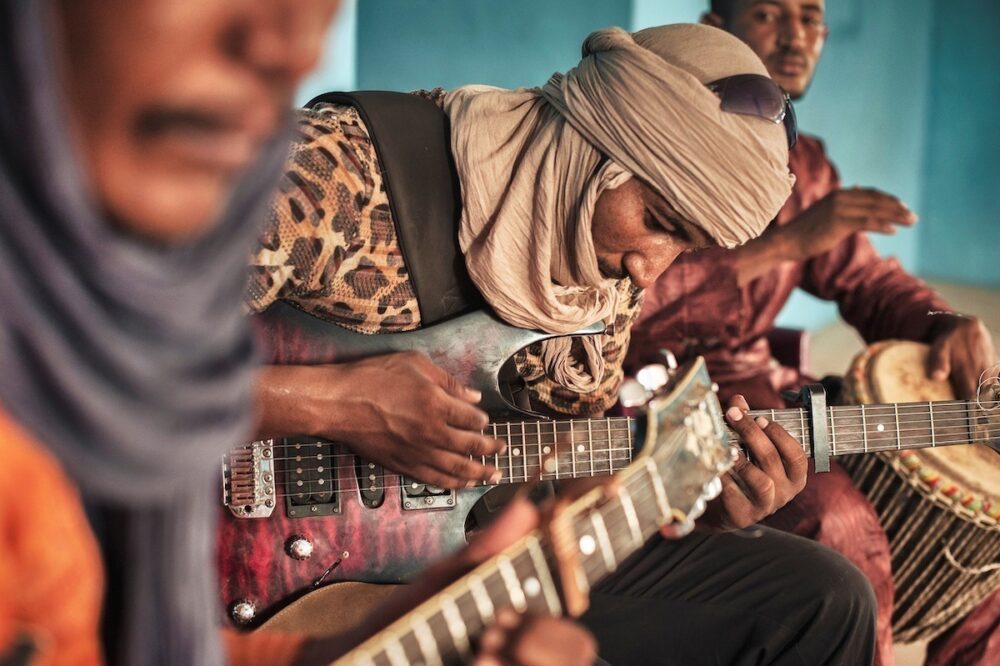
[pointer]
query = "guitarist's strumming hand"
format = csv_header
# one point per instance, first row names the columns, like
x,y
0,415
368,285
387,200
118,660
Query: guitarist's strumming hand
x,y
751,491
399,410
524,640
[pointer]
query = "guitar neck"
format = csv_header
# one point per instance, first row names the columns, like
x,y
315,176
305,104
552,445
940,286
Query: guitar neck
x,y
524,576
565,449
884,427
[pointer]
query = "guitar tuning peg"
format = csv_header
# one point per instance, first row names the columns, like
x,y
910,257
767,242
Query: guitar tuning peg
x,y
633,394
667,358
653,377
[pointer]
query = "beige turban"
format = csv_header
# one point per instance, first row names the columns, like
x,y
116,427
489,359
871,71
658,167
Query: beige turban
x,y
531,163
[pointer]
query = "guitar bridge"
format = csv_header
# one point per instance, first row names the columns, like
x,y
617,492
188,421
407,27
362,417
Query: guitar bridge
x,y
248,479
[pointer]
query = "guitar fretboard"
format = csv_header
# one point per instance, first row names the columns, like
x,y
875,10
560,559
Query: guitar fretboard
x,y
884,427
565,449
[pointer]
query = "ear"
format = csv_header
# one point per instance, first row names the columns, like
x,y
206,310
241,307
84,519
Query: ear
x,y
714,20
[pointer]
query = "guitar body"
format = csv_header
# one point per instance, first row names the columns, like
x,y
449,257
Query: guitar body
x,y
382,545
300,513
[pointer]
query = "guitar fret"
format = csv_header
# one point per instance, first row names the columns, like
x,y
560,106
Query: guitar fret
x,y
899,437
590,439
538,443
666,515
425,639
456,627
802,428
833,431
611,464
572,447
930,410
513,585
555,449
396,654
544,575
630,516
864,428
603,540
484,605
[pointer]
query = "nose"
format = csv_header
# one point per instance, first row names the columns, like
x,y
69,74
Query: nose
x,y
791,33
645,267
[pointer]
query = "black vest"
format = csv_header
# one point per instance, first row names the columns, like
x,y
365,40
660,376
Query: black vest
x,y
412,138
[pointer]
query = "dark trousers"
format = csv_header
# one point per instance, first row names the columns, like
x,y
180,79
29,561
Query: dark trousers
x,y
759,596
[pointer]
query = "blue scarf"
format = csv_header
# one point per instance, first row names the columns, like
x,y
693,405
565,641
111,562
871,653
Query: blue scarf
x,y
130,361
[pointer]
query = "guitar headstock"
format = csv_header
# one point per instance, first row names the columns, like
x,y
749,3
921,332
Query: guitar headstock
x,y
683,433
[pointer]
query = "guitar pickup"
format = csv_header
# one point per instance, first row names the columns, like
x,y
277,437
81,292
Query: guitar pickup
x,y
310,480
417,495
371,482
248,487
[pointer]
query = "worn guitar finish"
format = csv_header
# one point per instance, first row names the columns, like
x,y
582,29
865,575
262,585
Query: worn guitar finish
x,y
318,524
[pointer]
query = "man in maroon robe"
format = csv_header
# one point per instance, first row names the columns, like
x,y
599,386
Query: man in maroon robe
x,y
722,304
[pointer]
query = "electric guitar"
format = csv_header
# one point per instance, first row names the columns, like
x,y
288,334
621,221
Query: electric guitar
x,y
301,513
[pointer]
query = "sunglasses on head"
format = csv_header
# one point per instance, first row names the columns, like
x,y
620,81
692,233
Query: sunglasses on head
x,y
757,95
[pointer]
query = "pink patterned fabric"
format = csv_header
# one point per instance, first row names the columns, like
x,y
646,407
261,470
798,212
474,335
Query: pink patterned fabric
x,y
697,307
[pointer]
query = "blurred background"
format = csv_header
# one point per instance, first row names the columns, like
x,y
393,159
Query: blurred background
x,y
906,98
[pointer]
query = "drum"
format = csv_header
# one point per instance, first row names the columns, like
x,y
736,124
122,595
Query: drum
x,y
939,507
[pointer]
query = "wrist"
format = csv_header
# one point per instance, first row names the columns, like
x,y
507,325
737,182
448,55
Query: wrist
x,y
297,400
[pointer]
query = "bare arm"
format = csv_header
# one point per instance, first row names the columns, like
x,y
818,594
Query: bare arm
x,y
399,410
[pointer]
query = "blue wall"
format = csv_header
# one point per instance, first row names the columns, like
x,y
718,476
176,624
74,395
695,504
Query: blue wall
x,y
407,44
905,98
962,178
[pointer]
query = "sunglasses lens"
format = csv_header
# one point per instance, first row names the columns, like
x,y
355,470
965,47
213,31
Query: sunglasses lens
x,y
759,96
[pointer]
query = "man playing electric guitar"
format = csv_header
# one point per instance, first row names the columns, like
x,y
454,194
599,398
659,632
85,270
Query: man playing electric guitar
x,y
570,206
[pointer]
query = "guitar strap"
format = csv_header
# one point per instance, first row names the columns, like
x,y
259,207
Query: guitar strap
x,y
411,135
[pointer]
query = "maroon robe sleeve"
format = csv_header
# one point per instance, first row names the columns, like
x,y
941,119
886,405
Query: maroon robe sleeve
x,y
875,295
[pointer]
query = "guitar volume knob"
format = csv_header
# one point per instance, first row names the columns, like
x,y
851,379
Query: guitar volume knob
x,y
298,547
243,612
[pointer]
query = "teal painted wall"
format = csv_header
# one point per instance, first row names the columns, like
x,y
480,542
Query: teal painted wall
x,y
407,44
960,239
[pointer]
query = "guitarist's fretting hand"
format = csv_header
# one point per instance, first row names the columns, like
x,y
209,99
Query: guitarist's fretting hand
x,y
399,410
522,640
776,475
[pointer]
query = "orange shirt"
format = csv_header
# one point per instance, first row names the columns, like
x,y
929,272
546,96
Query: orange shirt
x,y
51,579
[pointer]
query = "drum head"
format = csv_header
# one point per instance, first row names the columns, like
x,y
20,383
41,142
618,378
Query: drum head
x,y
970,475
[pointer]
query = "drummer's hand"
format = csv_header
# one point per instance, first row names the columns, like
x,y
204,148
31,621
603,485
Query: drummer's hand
x,y
962,349
753,491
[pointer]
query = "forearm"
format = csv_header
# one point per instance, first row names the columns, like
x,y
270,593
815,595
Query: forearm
x,y
296,400
760,256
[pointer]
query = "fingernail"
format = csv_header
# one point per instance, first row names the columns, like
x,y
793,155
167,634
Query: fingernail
x,y
474,394
734,413
496,477
470,484
507,618
492,640
503,447
940,375
761,421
